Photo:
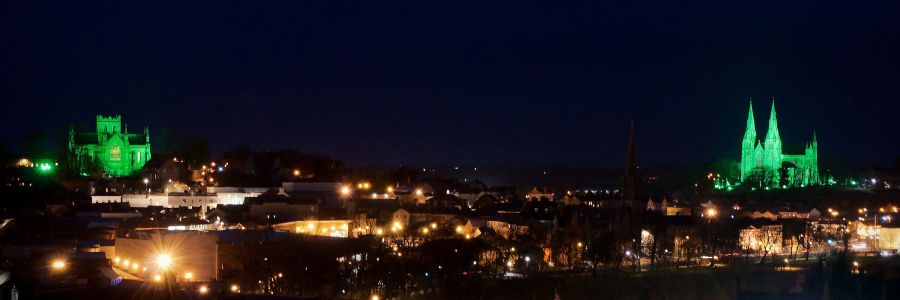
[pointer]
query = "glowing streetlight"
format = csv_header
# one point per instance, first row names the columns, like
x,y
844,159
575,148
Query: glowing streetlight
x,y
433,225
58,264
345,191
188,275
711,212
419,192
375,297
235,288
390,189
203,289
296,173
164,261
580,245
157,277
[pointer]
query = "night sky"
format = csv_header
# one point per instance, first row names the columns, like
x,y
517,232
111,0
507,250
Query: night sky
x,y
386,82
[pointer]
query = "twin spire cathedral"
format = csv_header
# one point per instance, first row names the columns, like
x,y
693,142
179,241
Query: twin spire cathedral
x,y
764,164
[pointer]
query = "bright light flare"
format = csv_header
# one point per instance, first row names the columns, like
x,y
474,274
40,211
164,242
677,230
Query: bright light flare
x,y
58,264
164,261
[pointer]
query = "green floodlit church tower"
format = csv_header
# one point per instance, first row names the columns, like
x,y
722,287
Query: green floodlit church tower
x,y
764,164
110,149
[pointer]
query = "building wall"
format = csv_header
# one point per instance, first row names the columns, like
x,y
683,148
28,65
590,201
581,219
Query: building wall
x,y
889,238
144,200
105,199
205,201
332,228
191,251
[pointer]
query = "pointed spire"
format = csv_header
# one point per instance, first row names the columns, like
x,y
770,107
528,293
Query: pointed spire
x,y
772,132
815,142
750,132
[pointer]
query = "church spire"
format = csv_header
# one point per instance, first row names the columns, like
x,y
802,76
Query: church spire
x,y
772,132
750,132
748,161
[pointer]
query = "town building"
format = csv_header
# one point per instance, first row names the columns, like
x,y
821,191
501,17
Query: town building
x,y
764,239
110,149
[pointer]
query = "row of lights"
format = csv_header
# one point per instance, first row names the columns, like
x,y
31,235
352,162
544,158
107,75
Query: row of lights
x,y
345,190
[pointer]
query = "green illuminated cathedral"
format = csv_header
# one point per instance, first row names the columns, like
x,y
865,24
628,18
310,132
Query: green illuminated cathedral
x,y
110,149
764,164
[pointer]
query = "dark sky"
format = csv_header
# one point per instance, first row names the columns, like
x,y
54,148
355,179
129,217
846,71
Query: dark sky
x,y
386,82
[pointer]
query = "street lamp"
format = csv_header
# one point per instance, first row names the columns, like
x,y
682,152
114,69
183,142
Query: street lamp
x,y
58,264
164,260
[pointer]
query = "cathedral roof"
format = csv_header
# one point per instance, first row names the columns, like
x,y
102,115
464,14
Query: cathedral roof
x,y
88,138
793,149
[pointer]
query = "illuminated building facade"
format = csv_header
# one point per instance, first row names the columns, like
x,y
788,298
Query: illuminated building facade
x,y
110,149
764,164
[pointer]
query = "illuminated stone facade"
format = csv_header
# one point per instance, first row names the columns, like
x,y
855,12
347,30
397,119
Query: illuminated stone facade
x,y
111,149
763,163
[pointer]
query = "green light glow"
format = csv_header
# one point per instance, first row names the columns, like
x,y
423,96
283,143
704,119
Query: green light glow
x,y
111,148
764,164
44,167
